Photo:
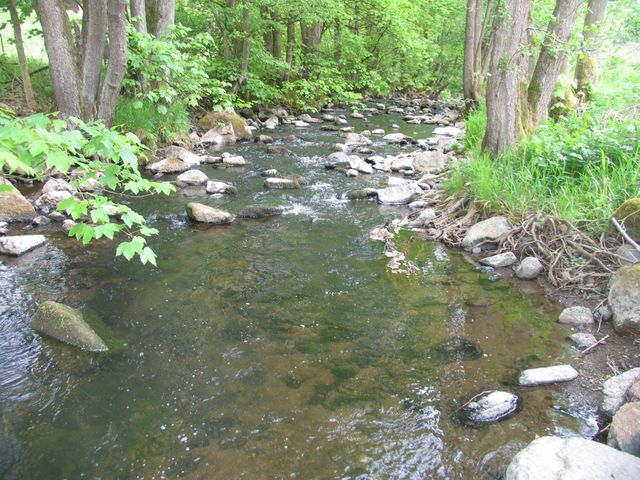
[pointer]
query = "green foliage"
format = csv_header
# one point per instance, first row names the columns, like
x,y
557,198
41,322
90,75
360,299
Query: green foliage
x,y
11,83
80,152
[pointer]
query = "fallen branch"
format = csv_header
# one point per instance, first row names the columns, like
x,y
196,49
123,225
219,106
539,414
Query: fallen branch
x,y
624,233
593,346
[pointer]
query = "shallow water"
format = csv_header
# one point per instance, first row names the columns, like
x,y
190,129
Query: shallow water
x,y
276,348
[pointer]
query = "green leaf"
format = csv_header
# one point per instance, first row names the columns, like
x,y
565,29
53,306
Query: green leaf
x,y
148,255
130,218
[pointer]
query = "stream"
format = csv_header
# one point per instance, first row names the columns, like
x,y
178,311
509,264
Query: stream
x,y
274,348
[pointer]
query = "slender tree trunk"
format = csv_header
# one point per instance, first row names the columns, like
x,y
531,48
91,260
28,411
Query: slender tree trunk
x,y
291,41
244,59
586,66
138,10
472,32
506,70
22,58
117,21
61,51
94,30
268,31
550,60
277,37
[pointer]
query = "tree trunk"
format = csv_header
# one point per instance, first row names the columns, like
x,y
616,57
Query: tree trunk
x,y
586,66
277,37
472,32
268,31
160,16
311,38
244,59
117,60
61,51
94,30
550,60
506,69
291,41
138,10
22,58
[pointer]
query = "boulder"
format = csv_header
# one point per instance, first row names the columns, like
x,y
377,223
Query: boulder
x,y
169,165
429,162
67,325
399,193
378,132
274,183
423,218
448,131
362,194
338,160
301,124
198,212
529,269
629,254
305,117
614,390
67,225
576,316
20,244
583,340
543,376
13,206
220,135
261,211
50,200
633,394
501,260
490,406
264,139
173,151
4,228
395,138
239,127
624,299
56,185
356,139
193,177
216,187
555,458
357,115
272,172
402,163
628,214
352,173
490,231
624,433
233,160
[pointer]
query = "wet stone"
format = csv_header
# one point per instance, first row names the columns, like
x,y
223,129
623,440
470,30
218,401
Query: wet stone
x,y
576,316
20,244
583,340
546,375
490,406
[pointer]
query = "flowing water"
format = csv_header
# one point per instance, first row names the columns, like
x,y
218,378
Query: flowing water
x,y
275,348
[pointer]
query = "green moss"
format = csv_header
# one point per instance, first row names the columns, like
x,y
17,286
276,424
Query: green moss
x,y
215,119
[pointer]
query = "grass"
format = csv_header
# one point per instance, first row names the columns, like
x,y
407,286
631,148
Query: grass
x,y
580,168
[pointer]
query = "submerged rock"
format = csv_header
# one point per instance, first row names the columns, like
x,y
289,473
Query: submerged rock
x,y
362,194
546,375
576,316
555,458
624,433
489,231
624,299
275,183
615,390
13,206
20,244
67,325
455,349
198,212
490,406
501,260
261,211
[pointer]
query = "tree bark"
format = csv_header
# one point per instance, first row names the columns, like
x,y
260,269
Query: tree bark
x,y
268,31
506,69
61,51
291,41
277,37
22,58
138,10
586,66
550,60
94,30
244,58
311,37
160,16
117,61
472,32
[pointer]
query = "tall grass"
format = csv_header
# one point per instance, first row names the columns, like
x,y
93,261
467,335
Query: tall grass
x,y
580,168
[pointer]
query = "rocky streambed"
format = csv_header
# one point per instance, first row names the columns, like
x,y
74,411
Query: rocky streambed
x,y
297,325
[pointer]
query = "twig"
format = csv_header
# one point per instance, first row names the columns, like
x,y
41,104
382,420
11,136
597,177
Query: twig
x,y
593,346
624,234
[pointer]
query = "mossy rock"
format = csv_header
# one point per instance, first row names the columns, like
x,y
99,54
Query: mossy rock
x,y
216,119
629,215
67,325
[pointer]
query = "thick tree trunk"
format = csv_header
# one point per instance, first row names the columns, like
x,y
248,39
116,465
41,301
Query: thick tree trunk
x,y
138,10
161,16
94,30
277,37
117,20
506,70
311,38
586,66
62,60
550,60
22,58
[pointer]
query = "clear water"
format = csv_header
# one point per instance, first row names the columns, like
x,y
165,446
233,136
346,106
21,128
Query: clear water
x,y
272,349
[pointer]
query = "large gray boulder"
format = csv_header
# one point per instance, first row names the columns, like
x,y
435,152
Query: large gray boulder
x,y
193,177
356,139
399,192
20,244
615,390
490,231
67,325
13,206
49,201
173,151
546,375
576,316
429,162
168,165
624,433
624,299
198,212
555,458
